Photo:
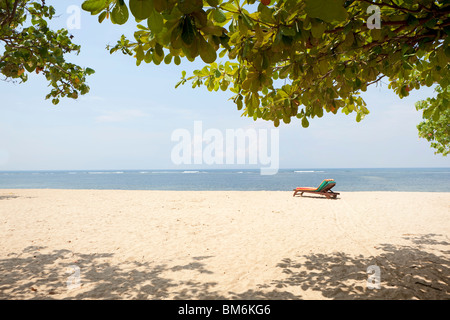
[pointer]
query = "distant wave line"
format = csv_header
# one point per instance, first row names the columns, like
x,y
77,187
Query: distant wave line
x,y
105,172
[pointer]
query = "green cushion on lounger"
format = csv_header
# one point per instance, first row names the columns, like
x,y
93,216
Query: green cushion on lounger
x,y
324,184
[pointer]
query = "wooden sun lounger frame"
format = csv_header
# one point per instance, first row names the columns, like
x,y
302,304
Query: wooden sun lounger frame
x,y
326,191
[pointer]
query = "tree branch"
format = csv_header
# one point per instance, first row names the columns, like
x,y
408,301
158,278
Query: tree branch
x,y
10,16
393,6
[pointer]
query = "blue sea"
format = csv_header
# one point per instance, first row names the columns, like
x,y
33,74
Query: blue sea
x,y
391,179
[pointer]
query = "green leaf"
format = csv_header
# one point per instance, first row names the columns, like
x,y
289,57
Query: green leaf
x,y
155,22
213,3
247,21
326,10
219,16
168,59
207,52
239,103
177,60
157,58
89,71
119,14
30,66
141,9
189,6
179,83
102,16
188,32
93,5
213,30
349,40
159,50
140,53
200,18
376,34
317,29
287,31
276,122
148,57
323,66
160,5
305,122
229,6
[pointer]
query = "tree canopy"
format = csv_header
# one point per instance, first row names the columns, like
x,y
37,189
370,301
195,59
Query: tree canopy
x,y
436,125
29,45
280,59
292,58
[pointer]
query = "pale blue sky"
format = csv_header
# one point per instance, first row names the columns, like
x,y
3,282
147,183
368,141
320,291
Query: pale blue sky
x,y
127,119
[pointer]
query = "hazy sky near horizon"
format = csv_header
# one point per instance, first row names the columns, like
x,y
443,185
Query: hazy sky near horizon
x,y
127,119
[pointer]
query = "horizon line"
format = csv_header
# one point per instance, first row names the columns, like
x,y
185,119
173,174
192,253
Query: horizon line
x,y
218,169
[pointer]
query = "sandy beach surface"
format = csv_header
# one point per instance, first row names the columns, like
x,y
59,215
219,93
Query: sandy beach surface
x,y
114,244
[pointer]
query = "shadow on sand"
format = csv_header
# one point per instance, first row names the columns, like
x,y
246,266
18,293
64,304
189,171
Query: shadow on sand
x,y
407,272
7,197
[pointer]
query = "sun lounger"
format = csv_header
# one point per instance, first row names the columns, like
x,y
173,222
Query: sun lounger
x,y
323,189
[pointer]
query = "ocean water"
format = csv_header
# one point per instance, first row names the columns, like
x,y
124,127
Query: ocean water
x,y
391,179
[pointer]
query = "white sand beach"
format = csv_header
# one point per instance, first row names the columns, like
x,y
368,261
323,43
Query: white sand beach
x,y
222,245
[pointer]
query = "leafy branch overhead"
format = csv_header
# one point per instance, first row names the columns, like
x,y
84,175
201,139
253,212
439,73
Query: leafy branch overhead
x,y
436,125
287,58
29,45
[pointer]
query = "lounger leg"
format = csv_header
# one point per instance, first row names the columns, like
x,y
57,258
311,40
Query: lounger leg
x,y
333,195
297,191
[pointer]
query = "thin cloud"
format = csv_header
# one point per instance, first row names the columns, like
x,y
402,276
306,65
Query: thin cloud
x,y
91,98
121,115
